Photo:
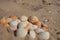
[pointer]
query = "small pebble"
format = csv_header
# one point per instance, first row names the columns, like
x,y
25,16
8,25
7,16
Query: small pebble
x,y
45,19
58,33
49,11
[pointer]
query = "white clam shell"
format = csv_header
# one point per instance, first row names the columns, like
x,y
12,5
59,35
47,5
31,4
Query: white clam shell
x,y
13,28
32,34
33,26
13,25
38,30
21,32
44,35
13,22
22,24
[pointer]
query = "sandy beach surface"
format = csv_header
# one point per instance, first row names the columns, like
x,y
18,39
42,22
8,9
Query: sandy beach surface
x,y
48,12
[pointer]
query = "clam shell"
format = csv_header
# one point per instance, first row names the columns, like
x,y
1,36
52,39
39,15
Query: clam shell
x,y
21,32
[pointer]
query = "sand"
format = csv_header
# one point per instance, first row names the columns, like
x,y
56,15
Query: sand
x,y
48,12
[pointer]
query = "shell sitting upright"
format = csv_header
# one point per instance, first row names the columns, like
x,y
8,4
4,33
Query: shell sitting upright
x,y
34,20
13,25
23,18
13,17
4,22
23,27
44,34
32,34
22,31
